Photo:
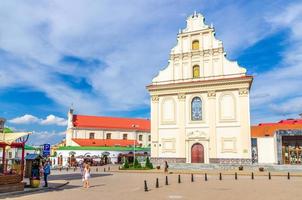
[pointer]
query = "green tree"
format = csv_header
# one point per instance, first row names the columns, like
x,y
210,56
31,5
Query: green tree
x,y
126,164
136,164
8,130
148,164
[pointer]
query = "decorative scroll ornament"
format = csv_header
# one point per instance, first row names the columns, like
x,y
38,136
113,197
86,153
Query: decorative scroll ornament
x,y
182,96
212,94
243,92
155,98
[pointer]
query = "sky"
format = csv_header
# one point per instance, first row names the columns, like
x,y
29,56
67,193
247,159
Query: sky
x,y
98,56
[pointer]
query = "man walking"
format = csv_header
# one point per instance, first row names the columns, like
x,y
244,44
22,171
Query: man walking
x,y
46,169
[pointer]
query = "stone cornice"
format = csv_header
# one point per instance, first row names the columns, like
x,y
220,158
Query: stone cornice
x,y
206,85
206,52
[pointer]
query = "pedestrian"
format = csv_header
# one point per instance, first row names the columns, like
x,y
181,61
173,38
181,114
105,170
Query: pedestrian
x,y
166,167
46,170
81,165
86,176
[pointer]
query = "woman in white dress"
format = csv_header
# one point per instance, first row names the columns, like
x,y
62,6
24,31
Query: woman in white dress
x,y
86,176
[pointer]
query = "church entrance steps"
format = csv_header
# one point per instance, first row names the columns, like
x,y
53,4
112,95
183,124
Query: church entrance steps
x,y
232,167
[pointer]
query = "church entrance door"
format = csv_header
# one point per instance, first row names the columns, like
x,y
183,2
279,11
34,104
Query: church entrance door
x,y
197,153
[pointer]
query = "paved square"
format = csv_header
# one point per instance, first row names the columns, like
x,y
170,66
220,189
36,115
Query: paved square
x,y
115,185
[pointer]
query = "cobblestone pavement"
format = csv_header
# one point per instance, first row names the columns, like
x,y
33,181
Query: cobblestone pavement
x,y
111,185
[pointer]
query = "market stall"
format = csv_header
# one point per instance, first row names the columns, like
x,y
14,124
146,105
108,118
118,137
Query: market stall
x,y
12,160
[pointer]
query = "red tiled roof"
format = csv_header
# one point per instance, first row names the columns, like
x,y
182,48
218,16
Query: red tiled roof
x,y
104,142
269,129
83,121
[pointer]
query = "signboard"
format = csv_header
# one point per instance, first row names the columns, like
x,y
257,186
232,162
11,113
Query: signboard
x,y
46,150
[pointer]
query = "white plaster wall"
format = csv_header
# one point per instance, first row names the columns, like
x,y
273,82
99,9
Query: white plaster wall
x,y
267,150
169,134
101,134
229,133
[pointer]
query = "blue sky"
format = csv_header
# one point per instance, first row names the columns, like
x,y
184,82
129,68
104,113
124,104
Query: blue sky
x,y
100,55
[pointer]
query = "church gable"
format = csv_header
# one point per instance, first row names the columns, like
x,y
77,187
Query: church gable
x,y
198,55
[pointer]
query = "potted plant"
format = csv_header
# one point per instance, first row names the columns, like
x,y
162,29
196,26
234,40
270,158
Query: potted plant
x,y
158,167
240,168
34,182
261,169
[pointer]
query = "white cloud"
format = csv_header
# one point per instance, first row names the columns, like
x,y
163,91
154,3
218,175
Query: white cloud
x,y
54,120
30,119
132,41
278,92
25,119
43,137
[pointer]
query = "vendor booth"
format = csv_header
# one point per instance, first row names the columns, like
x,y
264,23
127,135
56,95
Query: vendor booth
x,y
12,160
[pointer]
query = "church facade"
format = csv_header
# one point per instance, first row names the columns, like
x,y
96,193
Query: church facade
x,y
200,109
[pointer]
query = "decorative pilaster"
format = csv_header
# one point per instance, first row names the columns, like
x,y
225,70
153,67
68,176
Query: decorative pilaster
x,y
154,126
245,123
212,123
181,123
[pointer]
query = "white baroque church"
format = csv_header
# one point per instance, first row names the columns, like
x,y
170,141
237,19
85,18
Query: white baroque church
x,y
200,109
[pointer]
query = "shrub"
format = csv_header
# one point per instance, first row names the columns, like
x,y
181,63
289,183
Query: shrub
x,y
148,164
126,164
261,169
137,164
240,167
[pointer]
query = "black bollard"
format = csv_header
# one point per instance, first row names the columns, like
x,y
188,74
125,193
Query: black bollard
x,y
145,186
192,178
60,169
108,168
179,178
252,175
288,175
157,183
235,175
67,169
269,176
74,169
220,176
167,183
97,169
205,177
104,169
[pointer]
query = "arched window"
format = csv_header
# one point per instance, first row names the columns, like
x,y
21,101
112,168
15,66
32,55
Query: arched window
x,y
196,109
195,45
196,71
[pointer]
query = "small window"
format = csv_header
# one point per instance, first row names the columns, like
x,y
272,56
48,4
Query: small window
x,y
196,71
125,136
91,135
108,136
149,138
195,45
140,137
